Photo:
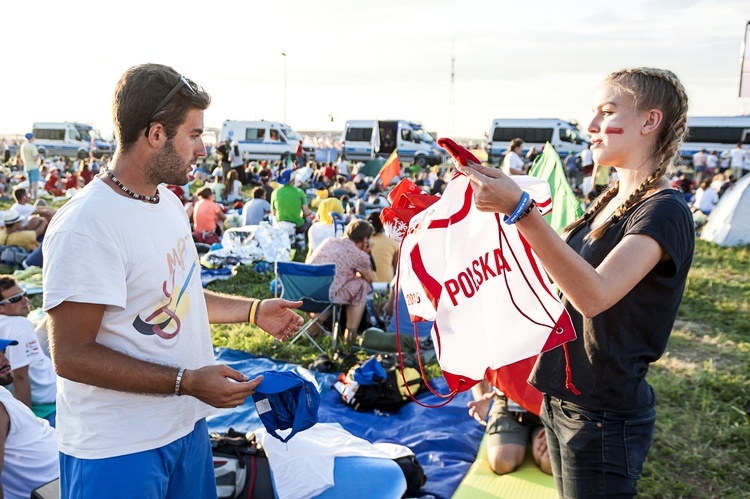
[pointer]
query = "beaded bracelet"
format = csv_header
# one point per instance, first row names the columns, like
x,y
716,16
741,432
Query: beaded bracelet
x,y
523,204
178,381
252,317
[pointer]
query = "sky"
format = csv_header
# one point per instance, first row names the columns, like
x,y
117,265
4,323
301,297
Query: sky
x,y
389,59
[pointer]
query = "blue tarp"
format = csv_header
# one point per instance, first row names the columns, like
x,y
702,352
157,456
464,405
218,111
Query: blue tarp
x,y
445,440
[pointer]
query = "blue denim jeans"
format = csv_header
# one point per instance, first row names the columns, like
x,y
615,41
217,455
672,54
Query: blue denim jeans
x,y
596,454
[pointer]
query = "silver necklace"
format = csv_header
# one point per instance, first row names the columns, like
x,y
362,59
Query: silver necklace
x,y
139,197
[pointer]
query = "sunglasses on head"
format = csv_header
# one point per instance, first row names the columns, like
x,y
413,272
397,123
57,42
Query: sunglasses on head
x,y
14,299
193,87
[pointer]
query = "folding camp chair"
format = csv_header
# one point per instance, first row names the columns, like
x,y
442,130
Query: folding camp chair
x,y
312,285
339,224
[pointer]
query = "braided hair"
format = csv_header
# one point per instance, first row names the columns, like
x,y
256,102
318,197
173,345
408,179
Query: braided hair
x,y
651,89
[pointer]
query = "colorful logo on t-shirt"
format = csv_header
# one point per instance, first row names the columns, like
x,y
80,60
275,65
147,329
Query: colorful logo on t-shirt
x,y
165,320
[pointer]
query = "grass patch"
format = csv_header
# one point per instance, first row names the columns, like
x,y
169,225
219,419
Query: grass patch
x,y
702,383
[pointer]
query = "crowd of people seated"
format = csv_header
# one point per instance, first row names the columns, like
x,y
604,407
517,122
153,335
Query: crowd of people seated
x,y
704,195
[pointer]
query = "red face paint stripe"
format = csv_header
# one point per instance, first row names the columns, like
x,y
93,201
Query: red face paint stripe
x,y
614,130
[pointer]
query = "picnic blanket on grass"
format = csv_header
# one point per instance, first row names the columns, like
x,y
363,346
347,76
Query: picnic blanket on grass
x,y
445,440
527,481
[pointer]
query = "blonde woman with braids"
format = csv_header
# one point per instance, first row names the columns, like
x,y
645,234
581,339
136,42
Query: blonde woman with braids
x,y
621,269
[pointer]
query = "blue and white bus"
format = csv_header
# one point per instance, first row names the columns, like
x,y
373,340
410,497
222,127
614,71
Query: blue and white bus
x,y
564,136
716,133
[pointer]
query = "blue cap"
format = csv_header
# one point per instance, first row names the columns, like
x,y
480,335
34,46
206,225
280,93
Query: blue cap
x,y
284,400
284,177
29,136
4,343
370,373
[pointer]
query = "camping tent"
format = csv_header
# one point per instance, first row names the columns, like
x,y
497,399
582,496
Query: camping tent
x,y
729,222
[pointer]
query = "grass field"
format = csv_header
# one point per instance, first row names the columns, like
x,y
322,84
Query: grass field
x,y
701,446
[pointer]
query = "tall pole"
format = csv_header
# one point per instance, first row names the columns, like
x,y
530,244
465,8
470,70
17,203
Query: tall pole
x,y
284,54
452,93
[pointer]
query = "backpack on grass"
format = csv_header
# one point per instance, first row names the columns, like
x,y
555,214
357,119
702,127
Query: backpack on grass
x,y
381,385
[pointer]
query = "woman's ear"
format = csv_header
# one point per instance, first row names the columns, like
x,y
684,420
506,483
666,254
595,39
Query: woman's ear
x,y
651,121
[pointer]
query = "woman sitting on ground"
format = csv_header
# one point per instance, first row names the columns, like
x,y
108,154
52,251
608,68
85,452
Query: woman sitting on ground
x,y
207,217
354,272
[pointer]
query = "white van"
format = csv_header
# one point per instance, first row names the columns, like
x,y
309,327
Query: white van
x,y
366,139
70,139
563,135
264,139
716,133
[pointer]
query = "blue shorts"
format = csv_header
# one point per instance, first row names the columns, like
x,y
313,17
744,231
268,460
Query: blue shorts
x,y
33,175
183,468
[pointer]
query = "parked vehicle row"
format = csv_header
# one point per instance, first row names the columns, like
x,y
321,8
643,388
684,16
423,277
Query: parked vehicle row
x,y
366,139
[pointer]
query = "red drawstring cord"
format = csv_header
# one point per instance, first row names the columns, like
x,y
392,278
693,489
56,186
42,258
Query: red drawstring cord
x,y
449,396
568,373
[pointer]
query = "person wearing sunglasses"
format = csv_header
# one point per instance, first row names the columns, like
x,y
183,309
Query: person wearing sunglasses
x,y
36,381
128,317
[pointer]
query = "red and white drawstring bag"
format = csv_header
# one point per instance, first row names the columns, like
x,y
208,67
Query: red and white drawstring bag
x,y
477,278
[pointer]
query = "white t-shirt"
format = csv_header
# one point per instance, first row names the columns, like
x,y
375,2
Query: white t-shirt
x,y
587,157
699,158
31,457
303,175
42,375
512,160
737,157
139,261
343,167
712,161
318,233
237,159
706,199
236,193
24,211
311,454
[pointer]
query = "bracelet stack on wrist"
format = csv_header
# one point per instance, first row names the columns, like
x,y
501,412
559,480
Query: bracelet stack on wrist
x,y
252,316
528,209
522,209
178,381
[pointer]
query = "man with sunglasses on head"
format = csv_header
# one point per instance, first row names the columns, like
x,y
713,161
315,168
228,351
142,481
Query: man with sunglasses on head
x,y
128,317
35,379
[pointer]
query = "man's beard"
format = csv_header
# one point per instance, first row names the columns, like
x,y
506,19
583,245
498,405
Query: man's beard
x,y
167,167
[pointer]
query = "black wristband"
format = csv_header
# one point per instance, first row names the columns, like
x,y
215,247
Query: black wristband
x,y
528,209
